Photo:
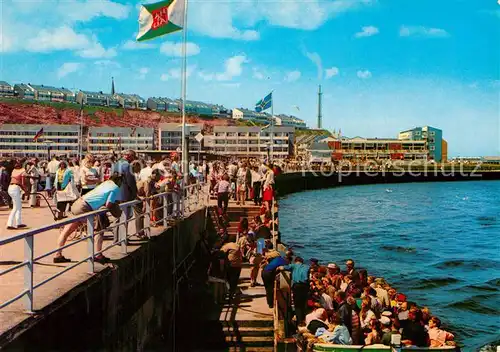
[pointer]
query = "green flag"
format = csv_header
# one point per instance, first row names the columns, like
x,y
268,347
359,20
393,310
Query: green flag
x,y
160,18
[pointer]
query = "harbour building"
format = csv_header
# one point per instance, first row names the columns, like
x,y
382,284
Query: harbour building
x,y
250,115
103,140
6,90
253,141
433,138
17,140
360,149
170,137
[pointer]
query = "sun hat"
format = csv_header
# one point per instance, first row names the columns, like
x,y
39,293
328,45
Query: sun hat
x,y
385,320
332,266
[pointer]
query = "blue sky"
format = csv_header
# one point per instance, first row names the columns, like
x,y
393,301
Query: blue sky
x,y
385,65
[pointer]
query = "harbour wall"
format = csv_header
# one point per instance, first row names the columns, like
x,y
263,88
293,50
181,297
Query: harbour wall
x,y
306,181
126,307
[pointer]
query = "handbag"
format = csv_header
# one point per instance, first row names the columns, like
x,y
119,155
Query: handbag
x,y
69,194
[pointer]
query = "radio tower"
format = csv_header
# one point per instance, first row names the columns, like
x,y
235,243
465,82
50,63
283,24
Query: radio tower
x,y
319,108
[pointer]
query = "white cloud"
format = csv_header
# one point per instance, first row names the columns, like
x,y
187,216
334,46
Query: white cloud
x,y
95,51
175,49
206,76
316,60
176,73
233,68
62,38
331,72
107,64
216,19
304,15
133,45
143,71
51,25
420,31
292,76
67,68
364,74
367,31
258,75
77,10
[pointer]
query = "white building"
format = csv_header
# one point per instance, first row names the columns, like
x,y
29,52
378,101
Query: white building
x,y
253,141
17,140
249,115
6,90
102,140
170,137
289,120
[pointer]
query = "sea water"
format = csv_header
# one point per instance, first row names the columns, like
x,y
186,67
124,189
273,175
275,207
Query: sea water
x,y
439,243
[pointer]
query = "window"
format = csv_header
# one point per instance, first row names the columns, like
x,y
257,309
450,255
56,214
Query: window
x,y
432,133
432,147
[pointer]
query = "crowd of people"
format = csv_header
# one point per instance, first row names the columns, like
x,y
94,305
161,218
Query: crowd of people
x,y
352,308
95,182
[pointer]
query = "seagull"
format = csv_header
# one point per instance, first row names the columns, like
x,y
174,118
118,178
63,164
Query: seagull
x,y
296,107
388,190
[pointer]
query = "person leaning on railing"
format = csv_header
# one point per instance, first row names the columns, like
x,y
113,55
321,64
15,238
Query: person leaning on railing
x,y
105,194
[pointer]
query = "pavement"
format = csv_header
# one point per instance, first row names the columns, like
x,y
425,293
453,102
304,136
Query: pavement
x,y
11,254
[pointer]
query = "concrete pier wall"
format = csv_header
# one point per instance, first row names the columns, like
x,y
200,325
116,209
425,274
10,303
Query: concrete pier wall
x,y
297,182
121,308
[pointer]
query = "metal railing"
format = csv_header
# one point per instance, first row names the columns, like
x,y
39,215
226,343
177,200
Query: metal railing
x,y
173,205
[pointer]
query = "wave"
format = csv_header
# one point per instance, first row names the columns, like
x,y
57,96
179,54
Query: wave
x,y
473,304
424,284
482,287
487,220
494,282
400,249
468,264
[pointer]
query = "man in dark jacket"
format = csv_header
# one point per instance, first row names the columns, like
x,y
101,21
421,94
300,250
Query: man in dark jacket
x,y
344,311
353,272
414,333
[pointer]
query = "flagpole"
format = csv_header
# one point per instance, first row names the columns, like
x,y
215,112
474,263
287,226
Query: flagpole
x,y
272,128
183,94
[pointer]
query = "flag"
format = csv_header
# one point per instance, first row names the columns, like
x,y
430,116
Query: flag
x,y
38,135
160,18
265,103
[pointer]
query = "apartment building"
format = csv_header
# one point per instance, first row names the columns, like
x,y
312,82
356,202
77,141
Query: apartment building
x,y
17,140
101,140
170,137
243,141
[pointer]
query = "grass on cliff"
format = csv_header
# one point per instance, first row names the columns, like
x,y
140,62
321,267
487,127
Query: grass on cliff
x,y
88,110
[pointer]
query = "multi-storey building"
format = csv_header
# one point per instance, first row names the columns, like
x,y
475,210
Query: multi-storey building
x,y
6,90
249,115
131,101
94,98
170,137
432,136
17,140
163,104
253,141
101,140
289,120
24,91
359,149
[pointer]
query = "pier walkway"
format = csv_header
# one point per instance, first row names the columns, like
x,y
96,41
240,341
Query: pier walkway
x,y
13,253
